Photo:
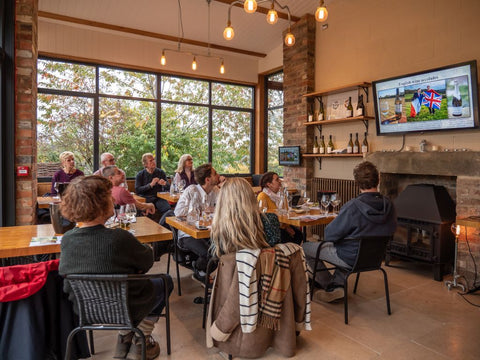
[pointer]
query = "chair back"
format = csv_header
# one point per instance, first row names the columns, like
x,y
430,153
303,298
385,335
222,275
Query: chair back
x,y
371,252
101,299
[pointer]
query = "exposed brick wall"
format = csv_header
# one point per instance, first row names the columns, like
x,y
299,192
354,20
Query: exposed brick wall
x,y
299,79
26,107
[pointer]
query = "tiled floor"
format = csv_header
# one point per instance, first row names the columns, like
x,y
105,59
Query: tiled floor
x,y
427,322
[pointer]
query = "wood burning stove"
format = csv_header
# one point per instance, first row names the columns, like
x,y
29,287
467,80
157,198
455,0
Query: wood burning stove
x,y
425,213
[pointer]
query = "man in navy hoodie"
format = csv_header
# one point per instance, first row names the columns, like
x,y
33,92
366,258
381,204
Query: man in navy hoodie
x,y
369,214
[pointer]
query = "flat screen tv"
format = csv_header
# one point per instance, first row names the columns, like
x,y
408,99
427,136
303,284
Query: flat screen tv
x,y
289,155
439,99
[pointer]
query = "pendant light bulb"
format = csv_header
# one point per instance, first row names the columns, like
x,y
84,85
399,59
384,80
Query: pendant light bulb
x,y
228,33
289,38
163,59
222,68
321,14
250,6
194,64
272,15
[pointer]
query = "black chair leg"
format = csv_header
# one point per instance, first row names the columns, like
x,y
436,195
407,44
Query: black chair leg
x,y
230,357
168,263
345,297
140,334
92,345
356,283
68,350
387,293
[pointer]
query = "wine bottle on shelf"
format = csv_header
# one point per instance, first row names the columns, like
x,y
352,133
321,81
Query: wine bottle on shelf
x,y
360,106
365,144
310,113
322,146
356,145
456,101
315,146
349,107
398,107
330,146
350,145
321,110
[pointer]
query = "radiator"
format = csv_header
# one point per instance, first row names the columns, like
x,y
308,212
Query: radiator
x,y
346,190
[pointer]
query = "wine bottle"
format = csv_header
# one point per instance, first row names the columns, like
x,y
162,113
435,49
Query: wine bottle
x,y
321,110
350,145
356,145
322,145
360,106
349,108
365,144
315,146
398,107
456,101
310,113
330,147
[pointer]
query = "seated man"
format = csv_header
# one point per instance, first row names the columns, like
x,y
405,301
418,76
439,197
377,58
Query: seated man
x,y
151,180
369,214
205,191
91,248
120,195
107,159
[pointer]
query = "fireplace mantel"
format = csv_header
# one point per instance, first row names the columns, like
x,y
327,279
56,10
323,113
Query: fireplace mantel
x,y
459,163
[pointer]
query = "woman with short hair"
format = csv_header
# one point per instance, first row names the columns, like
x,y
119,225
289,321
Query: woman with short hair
x,y
91,248
67,173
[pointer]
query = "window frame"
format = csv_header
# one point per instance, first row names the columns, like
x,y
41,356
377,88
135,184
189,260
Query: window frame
x,y
269,85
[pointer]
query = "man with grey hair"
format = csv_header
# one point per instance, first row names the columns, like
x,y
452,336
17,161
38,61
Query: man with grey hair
x,y
107,159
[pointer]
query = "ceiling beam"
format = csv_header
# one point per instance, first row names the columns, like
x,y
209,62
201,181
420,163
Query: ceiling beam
x,y
262,10
69,19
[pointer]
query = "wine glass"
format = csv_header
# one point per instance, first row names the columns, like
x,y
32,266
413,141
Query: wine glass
x,y
122,217
181,185
262,205
335,200
131,212
56,187
325,202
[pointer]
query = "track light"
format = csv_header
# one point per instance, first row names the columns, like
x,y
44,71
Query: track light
x,y
322,13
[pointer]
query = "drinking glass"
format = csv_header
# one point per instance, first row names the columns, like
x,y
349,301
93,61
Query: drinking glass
x,y
325,202
305,196
181,185
335,201
262,205
122,217
131,212
56,187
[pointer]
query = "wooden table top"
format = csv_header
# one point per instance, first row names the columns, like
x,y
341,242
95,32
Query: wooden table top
x,y
187,228
43,201
15,240
166,196
296,219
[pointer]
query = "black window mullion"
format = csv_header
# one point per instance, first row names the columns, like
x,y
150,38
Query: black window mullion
x,y
210,123
158,127
96,121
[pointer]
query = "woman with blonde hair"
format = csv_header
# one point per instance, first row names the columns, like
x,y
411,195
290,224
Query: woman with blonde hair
x,y
260,293
68,171
185,171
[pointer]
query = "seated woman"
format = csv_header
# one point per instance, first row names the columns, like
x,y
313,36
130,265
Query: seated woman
x,y
185,171
241,320
67,173
91,248
271,195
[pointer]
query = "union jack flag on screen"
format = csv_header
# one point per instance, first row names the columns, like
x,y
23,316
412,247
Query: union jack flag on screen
x,y
432,99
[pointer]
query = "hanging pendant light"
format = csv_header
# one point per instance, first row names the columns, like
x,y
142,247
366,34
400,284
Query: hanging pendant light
x,y
322,13
250,6
228,33
272,15
194,63
163,59
289,38
222,68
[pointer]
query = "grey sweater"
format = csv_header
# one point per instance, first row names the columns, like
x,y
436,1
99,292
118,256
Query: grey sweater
x,y
98,250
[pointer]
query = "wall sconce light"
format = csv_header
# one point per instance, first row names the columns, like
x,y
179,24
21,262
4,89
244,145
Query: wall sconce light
x,y
321,14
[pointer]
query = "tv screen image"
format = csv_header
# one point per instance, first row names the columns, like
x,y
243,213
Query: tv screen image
x,y
438,99
289,155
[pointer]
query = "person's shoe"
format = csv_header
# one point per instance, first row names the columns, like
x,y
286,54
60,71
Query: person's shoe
x,y
123,345
199,276
329,295
152,349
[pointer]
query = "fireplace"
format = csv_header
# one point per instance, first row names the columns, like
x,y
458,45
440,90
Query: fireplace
x,y
425,213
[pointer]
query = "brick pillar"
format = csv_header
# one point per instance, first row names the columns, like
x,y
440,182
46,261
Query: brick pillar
x,y
26,108
468,204
299,79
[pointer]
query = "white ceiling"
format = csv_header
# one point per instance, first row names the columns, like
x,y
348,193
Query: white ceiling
x,y
252,32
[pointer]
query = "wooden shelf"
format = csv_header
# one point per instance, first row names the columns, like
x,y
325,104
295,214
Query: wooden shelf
x,y
473,221
337,90
331,155
338,121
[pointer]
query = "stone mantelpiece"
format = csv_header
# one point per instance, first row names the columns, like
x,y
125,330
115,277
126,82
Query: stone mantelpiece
x,y
462,163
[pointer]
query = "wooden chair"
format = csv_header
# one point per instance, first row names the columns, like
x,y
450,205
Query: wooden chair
x,y
102,302
371,253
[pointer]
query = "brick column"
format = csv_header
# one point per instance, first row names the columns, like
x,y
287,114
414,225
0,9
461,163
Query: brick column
x,y
26,108
299,79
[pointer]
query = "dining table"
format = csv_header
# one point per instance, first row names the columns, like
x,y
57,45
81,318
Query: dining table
x,y
187,228
44,201
171,198
16,240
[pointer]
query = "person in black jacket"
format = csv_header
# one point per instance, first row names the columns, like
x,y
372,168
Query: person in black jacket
x,y
149,182
369,214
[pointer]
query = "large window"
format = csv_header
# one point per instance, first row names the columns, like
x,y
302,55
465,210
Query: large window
x,y
274,131
90,109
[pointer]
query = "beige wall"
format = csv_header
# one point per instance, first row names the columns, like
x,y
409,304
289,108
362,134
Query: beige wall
x,y
373,39
120,48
